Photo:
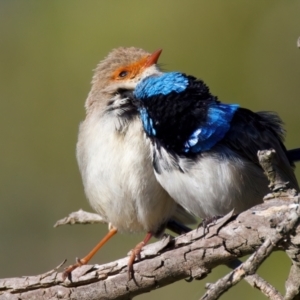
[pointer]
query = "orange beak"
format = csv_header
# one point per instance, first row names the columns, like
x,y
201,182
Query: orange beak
x,y
153,58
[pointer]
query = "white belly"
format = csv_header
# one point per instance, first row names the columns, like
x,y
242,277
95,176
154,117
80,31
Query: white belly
x,y
213,186
118,177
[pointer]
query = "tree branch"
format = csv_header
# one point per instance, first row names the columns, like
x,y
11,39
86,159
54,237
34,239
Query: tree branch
x,y
169,260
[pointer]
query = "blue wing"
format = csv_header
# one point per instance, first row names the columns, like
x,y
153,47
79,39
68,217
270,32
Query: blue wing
x,y
213,130
147,122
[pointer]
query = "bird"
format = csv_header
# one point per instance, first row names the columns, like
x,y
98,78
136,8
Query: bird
x,y
114,159
204,151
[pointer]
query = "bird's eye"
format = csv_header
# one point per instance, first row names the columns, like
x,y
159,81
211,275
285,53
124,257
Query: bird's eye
x,y
123,74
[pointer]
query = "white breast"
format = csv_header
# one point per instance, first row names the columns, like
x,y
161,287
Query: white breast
x,y
118,177
212,186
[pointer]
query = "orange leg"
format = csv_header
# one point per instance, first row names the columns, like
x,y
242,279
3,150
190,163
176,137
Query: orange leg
x,y
136,253
87,258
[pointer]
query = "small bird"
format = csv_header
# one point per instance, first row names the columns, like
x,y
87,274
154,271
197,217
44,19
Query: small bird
x,y
114,159
204,152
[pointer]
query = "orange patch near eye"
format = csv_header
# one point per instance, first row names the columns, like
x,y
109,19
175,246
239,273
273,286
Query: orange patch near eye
x,y
132,70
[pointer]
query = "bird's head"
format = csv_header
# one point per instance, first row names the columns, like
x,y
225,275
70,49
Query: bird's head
x,y
117,76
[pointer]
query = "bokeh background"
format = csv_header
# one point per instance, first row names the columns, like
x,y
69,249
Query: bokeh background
x,y
245,50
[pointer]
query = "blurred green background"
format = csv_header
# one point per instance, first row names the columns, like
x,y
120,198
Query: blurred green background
x,y
244,50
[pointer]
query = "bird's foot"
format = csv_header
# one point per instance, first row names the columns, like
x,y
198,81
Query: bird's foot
x,y
136,253
67,272
87,258
208,221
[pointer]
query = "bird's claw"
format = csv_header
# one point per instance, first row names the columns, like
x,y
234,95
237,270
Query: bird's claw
x,y
67,272
135,254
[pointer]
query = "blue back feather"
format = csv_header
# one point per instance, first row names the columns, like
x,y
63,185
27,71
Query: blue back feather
x,y
164,84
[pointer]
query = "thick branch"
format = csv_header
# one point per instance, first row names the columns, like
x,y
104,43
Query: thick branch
x,y
190,255
83,217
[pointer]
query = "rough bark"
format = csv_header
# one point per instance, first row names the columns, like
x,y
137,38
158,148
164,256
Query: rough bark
x,y
271,226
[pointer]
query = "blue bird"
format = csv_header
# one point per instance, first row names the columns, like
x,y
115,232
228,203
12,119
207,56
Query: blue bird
x,y
204,152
